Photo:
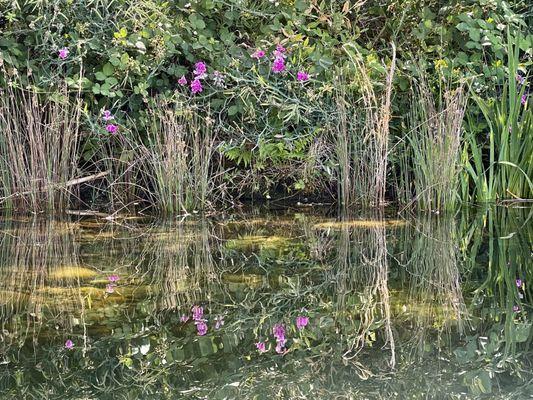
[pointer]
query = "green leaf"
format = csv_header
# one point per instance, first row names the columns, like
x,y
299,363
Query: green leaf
x,y
100,76
108,69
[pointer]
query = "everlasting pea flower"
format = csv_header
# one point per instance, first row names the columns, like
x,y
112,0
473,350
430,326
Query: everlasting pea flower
x,y
184,318
111,128
516,308
280,349
69,344
279,334
278,65
110,288
182,81
261,347
197,313
63,53
523,100
200,68
280,51
520,79
107,115
113,278
196,86
302,76
258,54
202,328
219,322
301,322
519,282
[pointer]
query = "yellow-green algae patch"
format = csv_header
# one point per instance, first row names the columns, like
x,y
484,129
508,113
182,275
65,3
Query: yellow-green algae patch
x,y
247,242
369,223
72,272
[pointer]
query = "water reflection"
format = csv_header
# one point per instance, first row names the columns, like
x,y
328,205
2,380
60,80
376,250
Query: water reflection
x,y
397,308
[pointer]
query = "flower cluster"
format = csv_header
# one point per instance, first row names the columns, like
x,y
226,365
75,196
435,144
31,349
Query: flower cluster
x,y
110,287
63,53
278,64
197,313
199,73
279,332
110,127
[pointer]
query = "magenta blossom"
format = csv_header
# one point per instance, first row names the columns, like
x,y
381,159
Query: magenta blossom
x,y
279,334
184,318
278,65
280,51
111,128
197,313
113,278
302,76
301,322
201,327
63,53
107,115
196,86
519,282
520,79
516,308
200,68
69,344
258,54
182,81
261,347
523,100
219,322
110,288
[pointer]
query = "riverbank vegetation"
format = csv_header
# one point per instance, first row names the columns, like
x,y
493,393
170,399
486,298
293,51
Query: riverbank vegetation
x,y
199,105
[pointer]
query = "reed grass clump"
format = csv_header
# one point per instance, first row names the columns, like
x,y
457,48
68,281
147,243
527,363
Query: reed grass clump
x,y
39,147
429,155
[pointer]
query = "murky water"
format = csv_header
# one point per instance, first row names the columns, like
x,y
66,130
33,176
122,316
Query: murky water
x,y
424,307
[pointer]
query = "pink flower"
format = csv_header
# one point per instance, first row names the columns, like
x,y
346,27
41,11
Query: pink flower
x,y
182,81
280,51
63,53
219,322
516,308
523,100
184,318
258,54
301,322
114,277
519,282
278,65
200,68
302,76
196,86
111,128
201,328
110,288
107,115
261,347
69,344
280,348
197,313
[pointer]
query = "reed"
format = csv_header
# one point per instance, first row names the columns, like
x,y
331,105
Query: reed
x,y
178,159
362,134
429,154
39,142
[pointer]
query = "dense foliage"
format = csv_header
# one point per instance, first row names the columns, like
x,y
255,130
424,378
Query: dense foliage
x,y
273,73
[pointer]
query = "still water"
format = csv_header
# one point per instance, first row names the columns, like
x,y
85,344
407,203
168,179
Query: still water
x,y
292,304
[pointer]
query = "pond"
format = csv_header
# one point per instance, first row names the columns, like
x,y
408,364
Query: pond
x,y
274,304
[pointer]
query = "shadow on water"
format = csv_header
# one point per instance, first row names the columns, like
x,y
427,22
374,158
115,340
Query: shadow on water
x,y
427,307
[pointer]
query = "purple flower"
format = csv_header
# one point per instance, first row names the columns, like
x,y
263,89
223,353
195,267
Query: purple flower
x,y
107,115
279,334
110,288
219,322
111,128
519,282
197,313
258,54
196,86
63,53
280,348
280,51
200,68
516,308
201,327
278,65
520,79
114,277
523,100
69,344
261,347
184,318
302,76
301,322
182,81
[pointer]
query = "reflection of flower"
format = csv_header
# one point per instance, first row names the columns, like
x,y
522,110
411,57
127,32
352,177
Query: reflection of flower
x,y
219,322
184,318
63,53
110,288
279,334
523,100
69,344
261,347
301,322
202,328
197,313
113,278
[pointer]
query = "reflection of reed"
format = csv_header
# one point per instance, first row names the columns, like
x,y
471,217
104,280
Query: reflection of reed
x,y
362,271
435,298
40,275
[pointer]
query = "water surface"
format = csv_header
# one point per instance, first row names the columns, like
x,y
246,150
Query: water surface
x,y
419,307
